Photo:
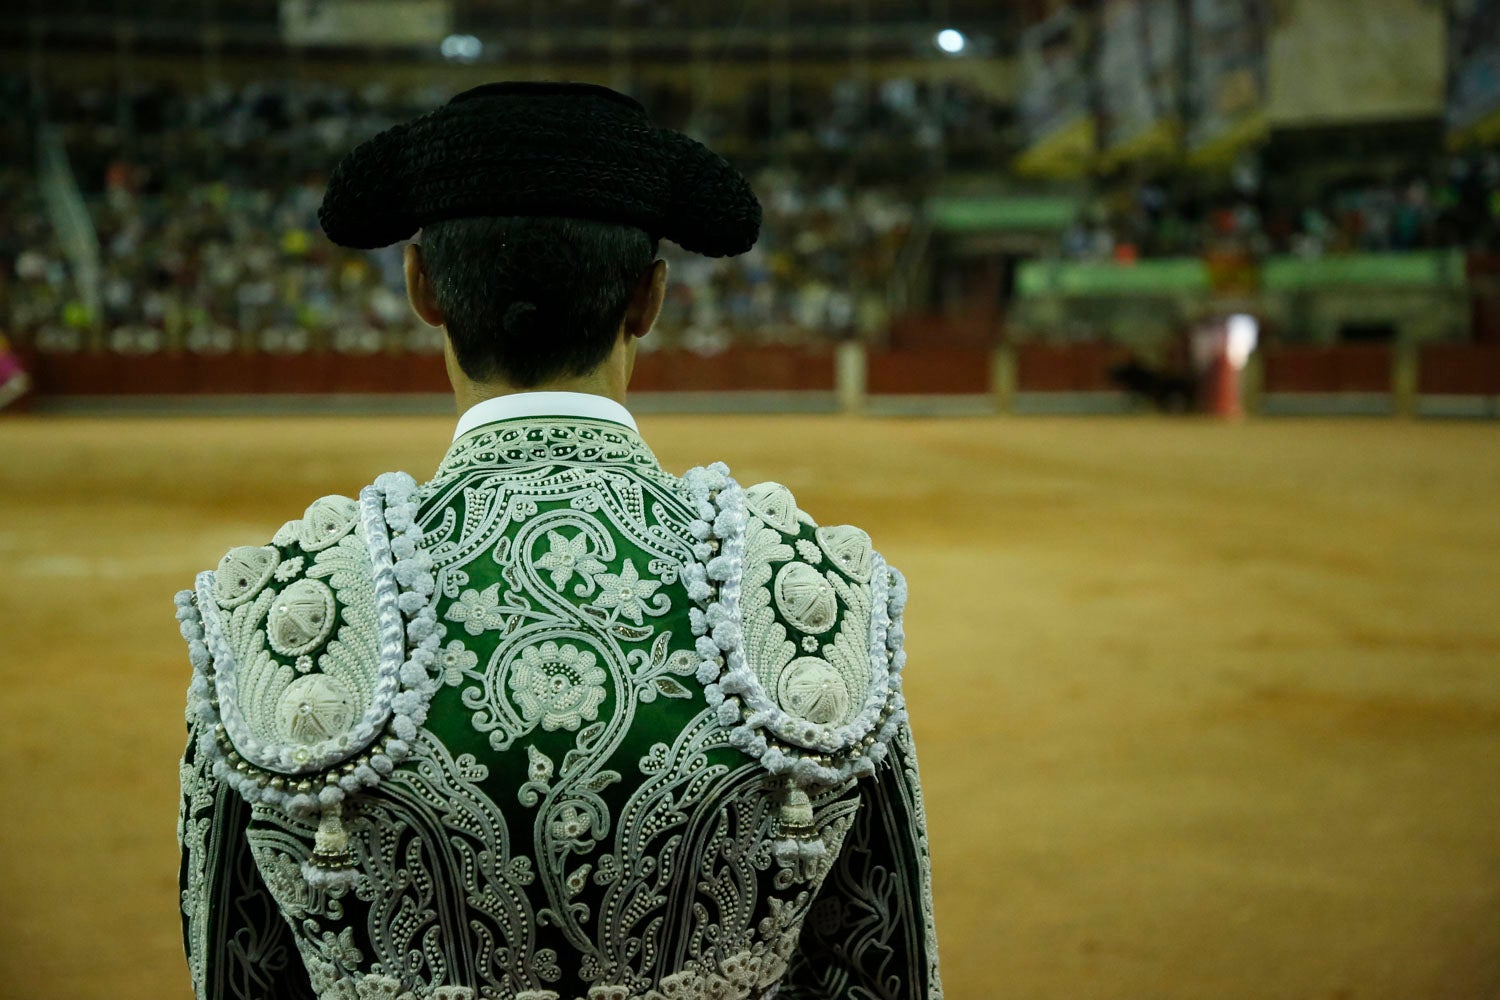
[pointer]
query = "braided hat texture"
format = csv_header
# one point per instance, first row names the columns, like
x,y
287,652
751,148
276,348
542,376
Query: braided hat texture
x,y
573,150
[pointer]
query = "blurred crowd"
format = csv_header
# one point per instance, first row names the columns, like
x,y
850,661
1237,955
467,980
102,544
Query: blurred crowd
x,y
204,209
193,215
1456,206
912,124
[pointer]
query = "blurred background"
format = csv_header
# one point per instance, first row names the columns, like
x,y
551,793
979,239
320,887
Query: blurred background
x,y
1029,206
1157,341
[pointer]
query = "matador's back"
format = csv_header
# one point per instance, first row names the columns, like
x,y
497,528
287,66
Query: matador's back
x,y
554,725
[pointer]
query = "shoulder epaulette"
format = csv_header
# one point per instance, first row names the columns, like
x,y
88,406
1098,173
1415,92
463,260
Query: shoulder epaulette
x,y
800,639
314,659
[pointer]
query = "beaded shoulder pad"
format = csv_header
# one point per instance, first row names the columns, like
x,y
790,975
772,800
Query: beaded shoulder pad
x,y
799,635
314,658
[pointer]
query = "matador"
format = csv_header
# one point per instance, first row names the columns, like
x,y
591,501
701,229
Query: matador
x,y
556,723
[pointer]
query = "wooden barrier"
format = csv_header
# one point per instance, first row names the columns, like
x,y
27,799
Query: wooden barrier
x,y
772,369
934,371
739,369
1081,367
177,374
1328,369
1455,379
1459,369
921,332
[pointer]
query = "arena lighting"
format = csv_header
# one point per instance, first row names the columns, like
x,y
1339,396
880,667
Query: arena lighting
x,y
461,48
951,41
1243,332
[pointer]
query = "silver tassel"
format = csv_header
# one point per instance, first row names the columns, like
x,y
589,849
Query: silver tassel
x,y
798,838
331,865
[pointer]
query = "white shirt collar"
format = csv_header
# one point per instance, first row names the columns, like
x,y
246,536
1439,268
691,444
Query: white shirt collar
x,y
543,404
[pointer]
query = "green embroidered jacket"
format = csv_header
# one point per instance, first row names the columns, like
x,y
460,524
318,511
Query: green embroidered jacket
x,y
555,725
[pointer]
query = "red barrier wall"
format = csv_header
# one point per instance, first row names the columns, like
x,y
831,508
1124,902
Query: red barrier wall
x,y
226,374
918,331
1084,367
1472,369
779,369
1335,368
1482,271
929,371
1459,369
768,369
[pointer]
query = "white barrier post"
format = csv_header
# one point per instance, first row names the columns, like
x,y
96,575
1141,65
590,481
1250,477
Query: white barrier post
x,y
1404,379
1003,378
1253,382
849,375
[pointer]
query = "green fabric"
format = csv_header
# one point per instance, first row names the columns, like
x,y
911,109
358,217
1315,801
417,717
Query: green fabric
x,y
546,840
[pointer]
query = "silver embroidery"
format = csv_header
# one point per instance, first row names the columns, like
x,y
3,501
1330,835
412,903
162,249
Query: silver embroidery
x,y
805,598
563,840
242,573
848,547
301,618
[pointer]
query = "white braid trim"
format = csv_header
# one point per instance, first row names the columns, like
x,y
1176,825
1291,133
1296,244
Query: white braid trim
x,y
809,754
407,678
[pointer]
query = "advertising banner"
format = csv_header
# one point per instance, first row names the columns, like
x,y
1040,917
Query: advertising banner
x,y
365,22
1226,78
1473,111
1352,61
1054,105
1138,79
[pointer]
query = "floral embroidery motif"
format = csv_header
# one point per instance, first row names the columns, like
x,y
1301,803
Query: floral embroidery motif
x,y
289,569
579,880
286,883
478,610
341,947
539,770
566,557
560,686
455,660
627,593
571,825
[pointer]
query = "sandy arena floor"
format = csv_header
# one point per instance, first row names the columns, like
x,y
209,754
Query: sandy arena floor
x,y
1205,712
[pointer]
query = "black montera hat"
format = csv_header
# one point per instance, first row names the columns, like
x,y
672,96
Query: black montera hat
x,y
574,150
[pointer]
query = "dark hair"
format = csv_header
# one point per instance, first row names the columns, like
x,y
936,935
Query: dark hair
x,y
531,298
